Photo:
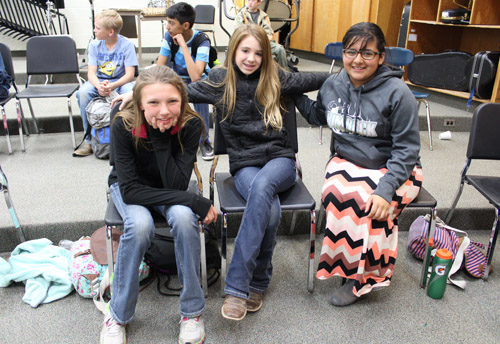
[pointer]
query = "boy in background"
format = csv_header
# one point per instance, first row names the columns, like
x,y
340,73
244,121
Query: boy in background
x,y
179,36
112,63
252,14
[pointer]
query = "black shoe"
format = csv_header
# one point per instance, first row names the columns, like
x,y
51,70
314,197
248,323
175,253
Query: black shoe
x,y
344,295
207,152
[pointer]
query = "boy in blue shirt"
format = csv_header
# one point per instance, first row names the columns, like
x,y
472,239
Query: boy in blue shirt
x,y
112,63
179,37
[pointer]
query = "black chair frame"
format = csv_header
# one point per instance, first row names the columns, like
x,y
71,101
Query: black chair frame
x,y
48,55
484,144
9,68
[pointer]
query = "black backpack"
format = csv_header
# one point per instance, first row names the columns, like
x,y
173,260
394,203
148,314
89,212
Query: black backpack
x,y
160,256
197,40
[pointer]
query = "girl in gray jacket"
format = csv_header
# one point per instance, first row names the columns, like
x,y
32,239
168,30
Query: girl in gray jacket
x,y
374,171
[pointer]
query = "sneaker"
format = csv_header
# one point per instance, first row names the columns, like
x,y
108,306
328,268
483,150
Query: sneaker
x,y
83,150
192,330
207,152
112,332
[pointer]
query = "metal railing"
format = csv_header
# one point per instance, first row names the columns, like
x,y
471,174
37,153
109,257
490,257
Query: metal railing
x,y
22,19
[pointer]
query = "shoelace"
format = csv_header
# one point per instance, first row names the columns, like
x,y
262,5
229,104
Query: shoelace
x,y
190,323
113,326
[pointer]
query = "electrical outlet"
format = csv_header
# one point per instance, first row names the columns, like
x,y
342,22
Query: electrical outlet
x,y
449,122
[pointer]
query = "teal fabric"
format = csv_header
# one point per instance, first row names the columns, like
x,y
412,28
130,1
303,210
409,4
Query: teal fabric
x,y
43,267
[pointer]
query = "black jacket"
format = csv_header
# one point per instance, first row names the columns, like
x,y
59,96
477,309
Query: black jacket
x,y
248,141
147,178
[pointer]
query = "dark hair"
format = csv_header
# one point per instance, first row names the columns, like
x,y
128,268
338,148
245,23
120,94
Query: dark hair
x,y
366,33
183,12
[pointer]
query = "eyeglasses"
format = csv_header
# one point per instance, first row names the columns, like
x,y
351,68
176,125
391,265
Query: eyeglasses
x,y
365,54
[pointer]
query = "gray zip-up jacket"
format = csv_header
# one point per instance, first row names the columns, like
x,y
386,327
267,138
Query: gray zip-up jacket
x,y
374,126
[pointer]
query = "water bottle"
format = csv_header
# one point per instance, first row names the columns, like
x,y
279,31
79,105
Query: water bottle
x,y
441,265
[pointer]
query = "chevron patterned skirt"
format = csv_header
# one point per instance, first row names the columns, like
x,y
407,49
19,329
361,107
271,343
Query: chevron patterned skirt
x,y
356,247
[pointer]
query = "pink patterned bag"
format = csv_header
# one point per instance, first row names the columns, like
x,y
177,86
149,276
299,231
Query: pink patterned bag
x,y
86,274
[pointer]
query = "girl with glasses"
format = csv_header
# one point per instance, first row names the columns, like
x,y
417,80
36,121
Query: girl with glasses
x,y
374,171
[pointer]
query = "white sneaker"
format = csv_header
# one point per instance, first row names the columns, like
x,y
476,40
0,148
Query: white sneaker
x,y
112,332
192,330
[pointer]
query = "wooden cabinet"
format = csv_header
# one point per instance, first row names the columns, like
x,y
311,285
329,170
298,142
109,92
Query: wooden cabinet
x,y
427,34
325,21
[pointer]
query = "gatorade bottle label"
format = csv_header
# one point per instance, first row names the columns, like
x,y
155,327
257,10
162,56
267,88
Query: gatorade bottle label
x,y
440,270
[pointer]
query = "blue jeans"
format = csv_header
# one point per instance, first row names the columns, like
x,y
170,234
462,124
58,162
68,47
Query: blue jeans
x,y
87,92
136,239
251,268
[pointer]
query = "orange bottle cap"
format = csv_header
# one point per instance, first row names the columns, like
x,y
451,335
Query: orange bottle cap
x,y
431,242
444,253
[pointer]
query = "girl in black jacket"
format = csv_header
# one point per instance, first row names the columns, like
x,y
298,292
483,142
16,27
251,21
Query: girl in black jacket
x,y
246,93
154,141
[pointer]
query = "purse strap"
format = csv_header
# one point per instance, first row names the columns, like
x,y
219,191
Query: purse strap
x,y
98,298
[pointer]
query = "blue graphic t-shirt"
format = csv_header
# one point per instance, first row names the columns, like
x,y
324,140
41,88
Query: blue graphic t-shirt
x,y
179,62
111,63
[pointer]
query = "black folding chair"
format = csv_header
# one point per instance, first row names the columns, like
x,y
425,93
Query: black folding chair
x,y
47,55
484,144
9,68
113,219
230,201
205,15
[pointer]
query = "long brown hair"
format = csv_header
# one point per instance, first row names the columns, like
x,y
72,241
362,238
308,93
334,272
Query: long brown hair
x,y
268,88
133,116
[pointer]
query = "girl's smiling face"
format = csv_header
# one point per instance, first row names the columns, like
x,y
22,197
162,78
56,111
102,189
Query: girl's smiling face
x,y
361,71
161,104
248,55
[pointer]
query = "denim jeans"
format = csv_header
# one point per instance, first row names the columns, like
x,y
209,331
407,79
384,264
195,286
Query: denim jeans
x,y
251,268
87,92
136,239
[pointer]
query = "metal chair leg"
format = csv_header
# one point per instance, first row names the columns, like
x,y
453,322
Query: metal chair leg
x,y
70,112
312,249
223,253
491,245
109,251
292,224
6,129
35,121
432,229
20,124
4,186
203,260
449,214
320,222
428,111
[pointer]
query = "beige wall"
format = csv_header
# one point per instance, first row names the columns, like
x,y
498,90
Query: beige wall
x,y
325,21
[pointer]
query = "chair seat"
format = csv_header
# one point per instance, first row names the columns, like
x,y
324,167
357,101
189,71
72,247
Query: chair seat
x,y
420,95
4,101
489,187
295,198
48,91
423,200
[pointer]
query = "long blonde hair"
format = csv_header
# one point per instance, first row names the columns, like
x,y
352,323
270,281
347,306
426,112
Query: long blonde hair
x,y
133,116
268,88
